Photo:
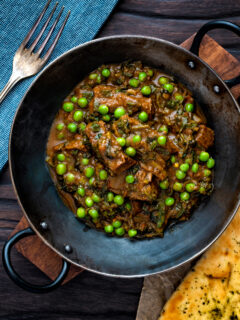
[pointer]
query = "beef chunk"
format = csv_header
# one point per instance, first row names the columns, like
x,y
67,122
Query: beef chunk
x,y
132,99
142,189
205,137
77,143
136,206
172,143
154,164
107,148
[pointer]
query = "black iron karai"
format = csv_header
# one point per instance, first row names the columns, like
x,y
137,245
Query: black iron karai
x,y
53,222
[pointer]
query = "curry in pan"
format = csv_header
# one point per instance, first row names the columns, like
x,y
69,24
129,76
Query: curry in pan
x,y
128,150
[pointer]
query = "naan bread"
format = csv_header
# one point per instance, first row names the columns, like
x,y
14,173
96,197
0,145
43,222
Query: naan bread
x,y
211,291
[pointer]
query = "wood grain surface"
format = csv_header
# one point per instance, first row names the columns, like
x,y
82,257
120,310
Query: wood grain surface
x,y
90,296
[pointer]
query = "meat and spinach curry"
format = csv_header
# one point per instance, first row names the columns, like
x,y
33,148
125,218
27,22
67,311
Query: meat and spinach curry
x,y
128,150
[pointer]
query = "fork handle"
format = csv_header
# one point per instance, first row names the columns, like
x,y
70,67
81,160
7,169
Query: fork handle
x,y
10,84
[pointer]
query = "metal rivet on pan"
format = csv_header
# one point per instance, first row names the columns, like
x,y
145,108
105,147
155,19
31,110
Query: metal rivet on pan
x,y
68,248
44,225
191,64
216,89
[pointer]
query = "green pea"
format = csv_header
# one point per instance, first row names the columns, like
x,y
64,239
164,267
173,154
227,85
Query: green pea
x,y
89,172
106,72
81,213
137,138
103,109
210,163
61,169
132,233
195,167
89,202
150,72
164,184
143,116
189,107
85,161
96,197
110,197
61,157
119,112
108,228
103,174
177,186
99,79
162,140
121,141
106,118
70,178
74,99
91,181
68,106
119,200
169,201
129,179
142,76
146,90
184,167
93,213
60,126
178,97
202,190
60,136
81,191
72,127
130,151
82,102
207,172
117,224
119,231
163,80
180,174
128,206
190,187
78,115
173,159
82,126
163,128
134,82
168,87
204,156
184,196
93,76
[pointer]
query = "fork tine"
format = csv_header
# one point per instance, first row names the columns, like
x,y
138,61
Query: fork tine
x,y
28,36
53,45
49,33
33,45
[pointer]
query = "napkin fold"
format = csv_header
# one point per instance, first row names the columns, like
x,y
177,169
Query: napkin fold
x,y
16,19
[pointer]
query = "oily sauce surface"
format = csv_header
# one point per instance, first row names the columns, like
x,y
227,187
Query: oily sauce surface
x,y
128,150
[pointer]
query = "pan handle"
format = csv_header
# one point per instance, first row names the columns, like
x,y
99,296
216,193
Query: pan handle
x,y
215,24
7,264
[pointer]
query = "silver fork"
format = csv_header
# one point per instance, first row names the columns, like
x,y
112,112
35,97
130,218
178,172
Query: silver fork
x,y
26,62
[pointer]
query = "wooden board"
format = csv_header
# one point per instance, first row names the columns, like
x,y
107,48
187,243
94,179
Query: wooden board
x,y
41,255
47,260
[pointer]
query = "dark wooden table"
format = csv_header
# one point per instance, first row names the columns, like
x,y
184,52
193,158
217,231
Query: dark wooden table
x,y
90,296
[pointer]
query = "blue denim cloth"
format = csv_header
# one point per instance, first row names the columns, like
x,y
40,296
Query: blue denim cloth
x,y
16,19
